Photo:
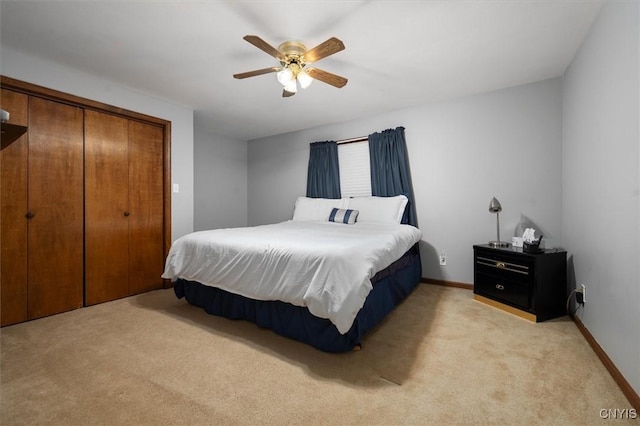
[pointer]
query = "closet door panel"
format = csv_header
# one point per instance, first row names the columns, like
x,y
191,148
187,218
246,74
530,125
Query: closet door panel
x,y
13,199
146,260
55,198
106,207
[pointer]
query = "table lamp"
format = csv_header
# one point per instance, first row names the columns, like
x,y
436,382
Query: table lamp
x,y
495,207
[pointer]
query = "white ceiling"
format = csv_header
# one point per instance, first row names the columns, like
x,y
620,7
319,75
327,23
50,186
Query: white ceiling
x,y
398,53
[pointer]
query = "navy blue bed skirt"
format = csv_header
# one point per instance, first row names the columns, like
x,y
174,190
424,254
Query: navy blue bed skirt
x,y
390,287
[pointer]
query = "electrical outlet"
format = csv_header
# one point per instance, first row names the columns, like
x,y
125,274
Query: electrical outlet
x,y
584,293
443,259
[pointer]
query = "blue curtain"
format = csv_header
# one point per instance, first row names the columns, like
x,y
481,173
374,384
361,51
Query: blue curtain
x,y
390,174
323,174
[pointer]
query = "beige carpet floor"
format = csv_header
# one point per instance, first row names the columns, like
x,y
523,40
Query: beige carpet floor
x,y
440,358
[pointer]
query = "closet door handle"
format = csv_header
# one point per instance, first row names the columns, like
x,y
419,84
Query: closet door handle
x,y
127,213
30,215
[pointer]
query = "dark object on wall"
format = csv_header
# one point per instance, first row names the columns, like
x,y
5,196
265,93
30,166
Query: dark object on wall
x,y
10,133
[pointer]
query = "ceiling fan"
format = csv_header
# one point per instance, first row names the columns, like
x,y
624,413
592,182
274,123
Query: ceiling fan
x,y
294,58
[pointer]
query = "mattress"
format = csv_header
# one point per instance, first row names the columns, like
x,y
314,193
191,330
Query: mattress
x,y
390,287
324,267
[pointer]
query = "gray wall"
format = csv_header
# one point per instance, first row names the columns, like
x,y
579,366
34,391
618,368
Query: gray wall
x,y
601,181
505,143
49,74
220,179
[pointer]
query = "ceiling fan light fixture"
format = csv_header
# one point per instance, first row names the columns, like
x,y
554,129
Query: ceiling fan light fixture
x,y
291,86
305,79
285,76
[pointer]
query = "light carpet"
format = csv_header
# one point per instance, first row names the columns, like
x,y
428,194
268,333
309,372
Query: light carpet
x,y
440,358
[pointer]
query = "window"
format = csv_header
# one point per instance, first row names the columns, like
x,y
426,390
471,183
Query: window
x,y
355,170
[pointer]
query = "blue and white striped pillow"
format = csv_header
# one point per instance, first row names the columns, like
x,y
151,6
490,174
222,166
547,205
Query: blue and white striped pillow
x,y
347,216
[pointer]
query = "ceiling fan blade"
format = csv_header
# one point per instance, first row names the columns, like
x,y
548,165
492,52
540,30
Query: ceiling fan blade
x,y
256,72
286,94
327,77
264,46
329,47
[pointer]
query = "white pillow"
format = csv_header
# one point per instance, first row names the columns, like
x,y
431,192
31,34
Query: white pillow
x,y
379,209
308,209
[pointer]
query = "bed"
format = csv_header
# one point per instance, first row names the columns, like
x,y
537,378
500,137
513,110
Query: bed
x,y
326,277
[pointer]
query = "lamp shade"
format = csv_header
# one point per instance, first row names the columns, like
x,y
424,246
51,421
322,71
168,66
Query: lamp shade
x,y
494,206
305,79
291,86
285,76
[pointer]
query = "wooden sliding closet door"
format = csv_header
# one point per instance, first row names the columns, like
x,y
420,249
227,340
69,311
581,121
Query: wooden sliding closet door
x,y
13,199
124,215
106,207
146,193
42,210
55,208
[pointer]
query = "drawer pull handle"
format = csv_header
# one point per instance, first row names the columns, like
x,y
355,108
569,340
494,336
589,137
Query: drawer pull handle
x,y
506,266
499,286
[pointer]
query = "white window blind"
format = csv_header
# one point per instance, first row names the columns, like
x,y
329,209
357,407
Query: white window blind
x,y
355,170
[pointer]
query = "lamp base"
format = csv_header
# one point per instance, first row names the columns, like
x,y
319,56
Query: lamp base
x,y
497,244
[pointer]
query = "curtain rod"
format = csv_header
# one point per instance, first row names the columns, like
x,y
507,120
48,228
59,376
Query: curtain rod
x,y
353,140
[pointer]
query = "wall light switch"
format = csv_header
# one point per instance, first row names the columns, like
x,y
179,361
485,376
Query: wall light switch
x,y
176,187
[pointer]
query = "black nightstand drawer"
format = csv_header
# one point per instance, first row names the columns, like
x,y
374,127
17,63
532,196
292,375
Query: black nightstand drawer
x,y
504,266
502,289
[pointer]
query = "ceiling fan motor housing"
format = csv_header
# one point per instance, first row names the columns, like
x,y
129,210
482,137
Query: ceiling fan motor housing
x,y
293,52
292,48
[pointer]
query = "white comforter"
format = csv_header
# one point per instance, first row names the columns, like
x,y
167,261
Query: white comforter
x,y
324,266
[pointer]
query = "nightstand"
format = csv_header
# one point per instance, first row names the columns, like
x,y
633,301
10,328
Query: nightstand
x,y
531,286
